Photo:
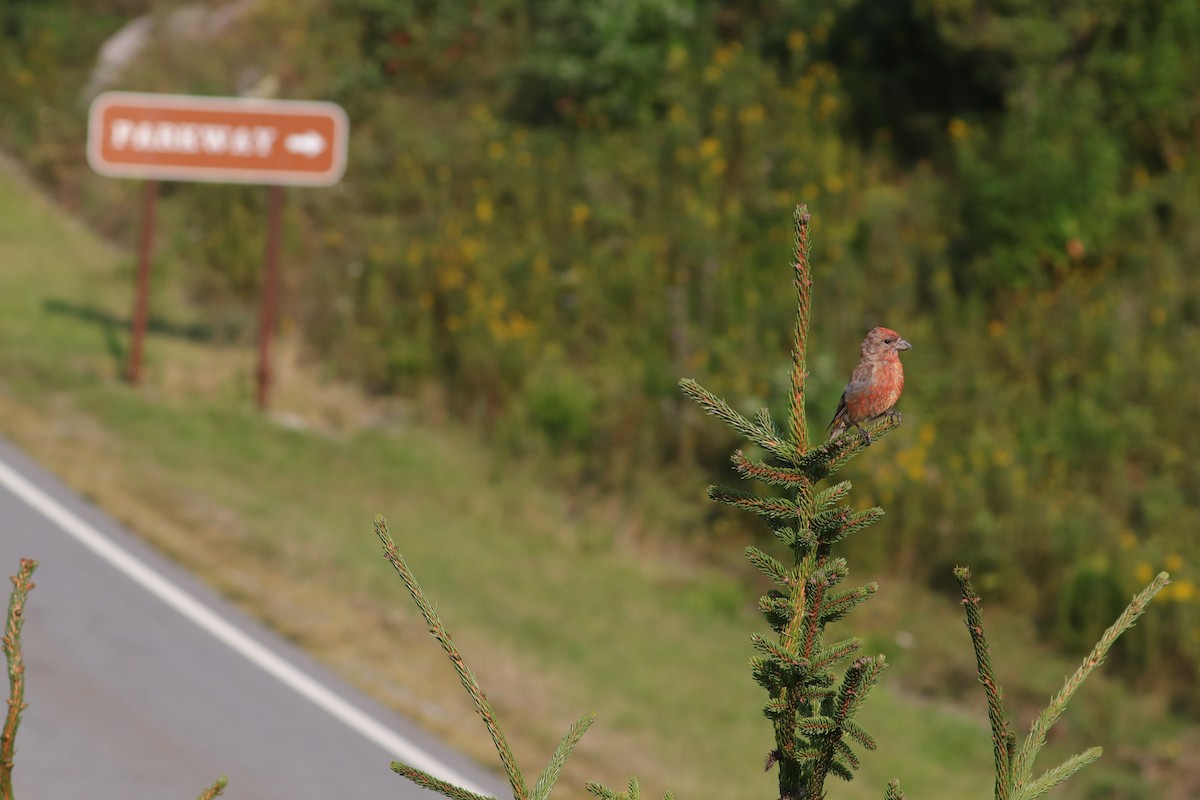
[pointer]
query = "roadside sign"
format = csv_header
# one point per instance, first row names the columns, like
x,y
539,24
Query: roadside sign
x,y
217,139
174,137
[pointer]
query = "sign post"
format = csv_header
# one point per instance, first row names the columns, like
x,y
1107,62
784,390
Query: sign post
x,y
277,143
141,297
270,295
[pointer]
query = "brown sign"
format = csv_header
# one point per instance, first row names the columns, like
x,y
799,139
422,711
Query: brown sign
x,y
217,139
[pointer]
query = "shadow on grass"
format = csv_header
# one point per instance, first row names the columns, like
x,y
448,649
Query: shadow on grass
x,y
116,328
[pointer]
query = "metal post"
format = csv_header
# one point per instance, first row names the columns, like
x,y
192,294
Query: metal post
x,y
270,294
141,297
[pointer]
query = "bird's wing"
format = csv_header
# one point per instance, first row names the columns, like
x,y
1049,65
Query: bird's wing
x,y
837,415
860,381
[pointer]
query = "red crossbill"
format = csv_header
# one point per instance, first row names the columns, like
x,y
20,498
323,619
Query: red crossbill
x,y
875,384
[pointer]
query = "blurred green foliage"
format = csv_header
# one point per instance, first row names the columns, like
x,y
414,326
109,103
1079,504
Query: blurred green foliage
x,y
553,211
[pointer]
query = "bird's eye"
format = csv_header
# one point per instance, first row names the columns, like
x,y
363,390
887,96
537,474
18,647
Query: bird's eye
x,y
888,340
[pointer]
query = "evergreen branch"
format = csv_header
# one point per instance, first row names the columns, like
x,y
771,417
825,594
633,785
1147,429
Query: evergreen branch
x,y
11,644
826,657
801,542
831,494
778,707
767,439
842,603
1002,737
774,708
770,566
788,477
833,525
558,760
767,673
859,734
828,523
1023,767
843,753
465,676
762,418
862,518
818,693
826,459
798,423
719,408
840,770
811,621
770,507
600,790
216,790
825,764
427,781
859,681
833,571
839,452
836,757
808,753
778,610
893,791
774,651
1052,777
634,792
818,725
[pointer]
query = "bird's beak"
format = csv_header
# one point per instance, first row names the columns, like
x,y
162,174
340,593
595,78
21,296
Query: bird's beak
x,y
903,345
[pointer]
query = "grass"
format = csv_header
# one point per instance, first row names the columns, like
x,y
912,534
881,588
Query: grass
x,y
560,608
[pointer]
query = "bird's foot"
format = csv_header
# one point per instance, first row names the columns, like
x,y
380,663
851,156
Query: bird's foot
x,y
896,416
866,435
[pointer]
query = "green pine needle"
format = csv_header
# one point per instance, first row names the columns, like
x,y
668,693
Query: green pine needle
x,y
558,760
10,644
600,790
846,755
216,790
770,566
841,770
839,604
762,418
839,651
1022,769
1014,769
799,542
774,651
427,781
1052,777
770,507
857,685
818,726
787,477
1001,735
768,439
465,675
634,791
832,494
859,734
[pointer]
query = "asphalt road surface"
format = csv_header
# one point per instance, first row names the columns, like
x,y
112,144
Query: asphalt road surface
x,y
142,683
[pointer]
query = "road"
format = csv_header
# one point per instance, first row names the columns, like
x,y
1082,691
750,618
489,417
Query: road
x,y
142,683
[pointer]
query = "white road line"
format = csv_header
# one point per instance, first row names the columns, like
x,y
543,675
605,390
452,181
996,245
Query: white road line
x,y
283,671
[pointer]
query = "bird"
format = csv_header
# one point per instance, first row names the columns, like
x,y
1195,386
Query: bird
x,y
875,385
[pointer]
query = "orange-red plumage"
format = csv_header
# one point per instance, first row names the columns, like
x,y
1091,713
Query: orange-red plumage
x,y
875,385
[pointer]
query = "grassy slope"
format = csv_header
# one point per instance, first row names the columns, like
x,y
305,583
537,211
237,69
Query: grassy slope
x,y
557,614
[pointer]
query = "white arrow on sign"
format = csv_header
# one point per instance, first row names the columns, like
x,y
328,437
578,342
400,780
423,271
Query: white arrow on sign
x,y
310,143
